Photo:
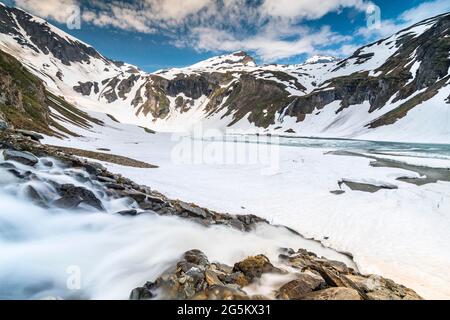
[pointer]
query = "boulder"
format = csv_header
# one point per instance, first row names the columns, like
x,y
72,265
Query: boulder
x,y
94,168
379,288
23,157
340,293
72,197
196,211
31,134
254,267
35,196
297,288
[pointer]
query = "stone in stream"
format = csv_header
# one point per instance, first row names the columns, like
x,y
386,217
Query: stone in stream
x,y
22,157
131,213
255,267
31,134
114,186
94,168
72,196
7,165
106,179
3,125
35,196
196,211
304,284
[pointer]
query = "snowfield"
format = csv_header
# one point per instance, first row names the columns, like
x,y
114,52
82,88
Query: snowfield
x,y
401,234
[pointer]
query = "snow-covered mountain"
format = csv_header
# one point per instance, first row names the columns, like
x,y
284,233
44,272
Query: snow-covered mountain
x,y
394,89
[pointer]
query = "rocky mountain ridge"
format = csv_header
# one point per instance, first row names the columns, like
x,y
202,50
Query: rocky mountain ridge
x,y
398,82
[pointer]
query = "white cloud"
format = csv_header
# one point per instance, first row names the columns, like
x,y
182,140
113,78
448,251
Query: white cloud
x,y
267,44
307,8
273,29
58,10
406,19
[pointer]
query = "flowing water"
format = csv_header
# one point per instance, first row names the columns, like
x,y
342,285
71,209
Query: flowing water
x,y
83,253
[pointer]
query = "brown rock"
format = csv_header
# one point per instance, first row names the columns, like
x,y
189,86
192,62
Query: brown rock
x,y
333,294
254,267
299,287
212,278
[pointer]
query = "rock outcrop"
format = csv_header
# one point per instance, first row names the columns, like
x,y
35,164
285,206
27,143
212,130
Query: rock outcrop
x,y
315,278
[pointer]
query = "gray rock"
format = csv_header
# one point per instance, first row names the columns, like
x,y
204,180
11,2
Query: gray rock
x,y
304,284
35,196
115,186
131,213
72,196
3,125
33,135
106,179
25,158
196,211
94,168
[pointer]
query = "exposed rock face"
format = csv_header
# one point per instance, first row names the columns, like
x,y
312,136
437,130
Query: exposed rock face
x,y
24,103
195,277
42,38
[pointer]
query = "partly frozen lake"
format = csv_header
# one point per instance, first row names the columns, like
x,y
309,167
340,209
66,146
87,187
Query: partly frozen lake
x,y
401,232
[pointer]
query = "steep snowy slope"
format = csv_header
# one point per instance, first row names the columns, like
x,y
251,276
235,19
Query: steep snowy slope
x,y
394,89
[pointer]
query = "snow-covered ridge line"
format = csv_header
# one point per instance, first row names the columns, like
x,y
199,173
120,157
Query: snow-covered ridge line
x,y
317,98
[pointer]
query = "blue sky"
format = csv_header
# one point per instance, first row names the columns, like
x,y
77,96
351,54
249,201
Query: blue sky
x,y
156,34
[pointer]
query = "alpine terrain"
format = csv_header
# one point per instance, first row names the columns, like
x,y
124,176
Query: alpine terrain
x,y
321,180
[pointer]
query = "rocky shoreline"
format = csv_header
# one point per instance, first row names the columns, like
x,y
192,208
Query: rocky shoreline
x,y
306,277
301,274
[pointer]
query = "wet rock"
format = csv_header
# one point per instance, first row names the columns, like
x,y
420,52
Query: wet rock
x,y
333,294
196,257
304,284
132,213
47,163
72,197
35,196
106,179
31,134
237,278
379,288
236,224
139,197
7,165
25,158
254,267
212,278
94,168
114,186
3,125
143,293
196,211
20,174
221,292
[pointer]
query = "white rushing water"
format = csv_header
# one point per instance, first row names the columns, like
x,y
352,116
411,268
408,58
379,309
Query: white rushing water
x,y
55,253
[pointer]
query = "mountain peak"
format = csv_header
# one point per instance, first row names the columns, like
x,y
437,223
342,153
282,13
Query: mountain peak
x,y
321,59
235,59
